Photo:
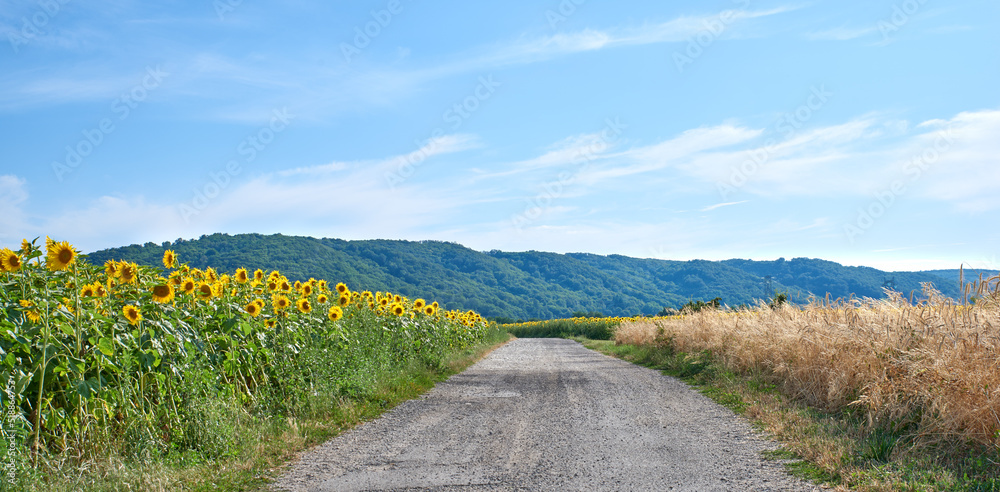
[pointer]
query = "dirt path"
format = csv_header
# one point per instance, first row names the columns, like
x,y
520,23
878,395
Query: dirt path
x,y
548,415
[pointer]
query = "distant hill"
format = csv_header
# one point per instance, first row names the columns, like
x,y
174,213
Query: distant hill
x,y
531,285
969,274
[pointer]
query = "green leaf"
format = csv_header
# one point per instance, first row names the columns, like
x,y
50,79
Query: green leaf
x,y
67,329
106,347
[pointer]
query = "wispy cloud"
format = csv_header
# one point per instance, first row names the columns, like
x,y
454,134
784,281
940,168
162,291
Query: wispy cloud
x,y
721,205
226,79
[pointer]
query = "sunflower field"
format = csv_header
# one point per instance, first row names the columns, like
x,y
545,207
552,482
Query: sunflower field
x,y
124,353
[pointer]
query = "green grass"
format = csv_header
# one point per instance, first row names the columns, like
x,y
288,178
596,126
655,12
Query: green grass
x,y
248,453
591,328
825,448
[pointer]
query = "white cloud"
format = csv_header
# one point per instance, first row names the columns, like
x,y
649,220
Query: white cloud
x,y
722,205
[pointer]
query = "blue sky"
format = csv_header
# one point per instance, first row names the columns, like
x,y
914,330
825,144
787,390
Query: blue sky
x,y
860,132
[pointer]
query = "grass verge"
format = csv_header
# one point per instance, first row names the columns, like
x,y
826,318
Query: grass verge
x,y
255,452
834,449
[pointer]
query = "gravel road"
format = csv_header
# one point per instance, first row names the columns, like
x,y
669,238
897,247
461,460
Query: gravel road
x,y
548,415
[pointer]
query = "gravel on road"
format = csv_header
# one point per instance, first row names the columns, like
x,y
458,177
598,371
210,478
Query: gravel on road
x,y
548,414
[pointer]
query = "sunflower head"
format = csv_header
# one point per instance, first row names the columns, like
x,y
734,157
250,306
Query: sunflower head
x,y
271,323
163,293
344,301
9,261
242,276
205,291
342,288
258,275
418,305
211,275
322,299
280,304
188,285
321,285
26,246
60,256
429,310
253,309
335,313
307,290
169,259
99,290
397,309
128,272
304,306
383,301
33,315
132,314
88,291
284,286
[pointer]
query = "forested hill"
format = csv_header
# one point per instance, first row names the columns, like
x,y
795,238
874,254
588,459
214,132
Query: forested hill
x,y
525,285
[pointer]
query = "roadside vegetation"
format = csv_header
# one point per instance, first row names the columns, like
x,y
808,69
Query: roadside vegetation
x,y
128,377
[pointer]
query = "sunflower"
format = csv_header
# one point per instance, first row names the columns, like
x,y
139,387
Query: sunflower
x,y
304,306
169,259
25,246
271,323
280,303
218,288
436,306
188,285
272,285
307,290
258,275
132,314
9,261
100,290
397,299
242,276
205,291
60,256
284,286
344,301
297,286
88,291
211,275
175,279
321,285
128,272
33,315
335,313
397,309
163,293
111,268
383,301
429,310
418,305
341,288
322,299
253,309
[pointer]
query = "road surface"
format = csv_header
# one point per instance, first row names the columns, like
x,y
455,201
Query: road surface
x,y
548,414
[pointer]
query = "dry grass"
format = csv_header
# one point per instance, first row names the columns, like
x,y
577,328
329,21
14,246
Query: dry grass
x,y
928,372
